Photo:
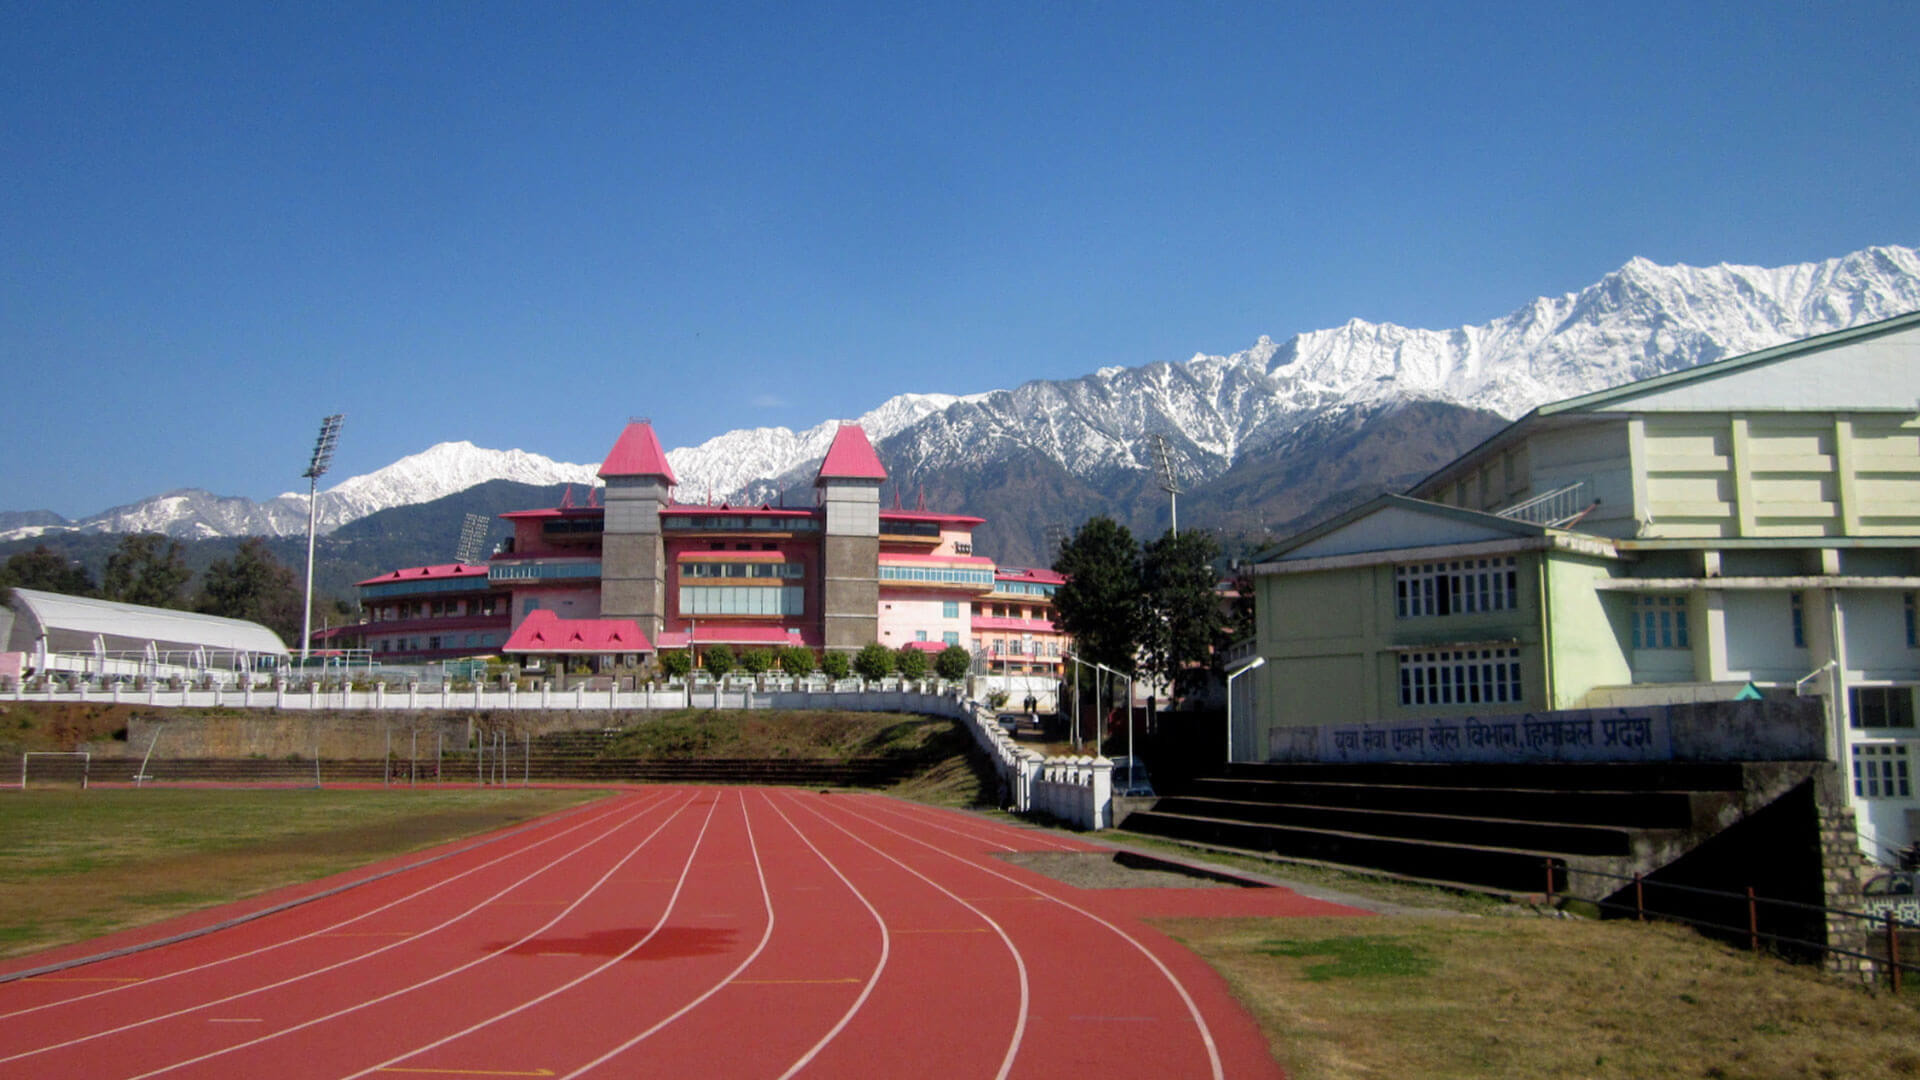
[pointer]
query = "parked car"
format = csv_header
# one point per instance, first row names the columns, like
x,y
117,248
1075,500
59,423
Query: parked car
x,y
1130,778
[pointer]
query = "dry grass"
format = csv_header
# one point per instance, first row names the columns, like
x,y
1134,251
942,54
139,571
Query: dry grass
x,y
812,736
1463,996
78,864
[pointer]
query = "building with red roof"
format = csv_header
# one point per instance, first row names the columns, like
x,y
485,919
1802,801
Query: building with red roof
x,y
610,583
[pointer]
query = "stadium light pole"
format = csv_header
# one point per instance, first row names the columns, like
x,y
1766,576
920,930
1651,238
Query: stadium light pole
x,y
1232,674
316,467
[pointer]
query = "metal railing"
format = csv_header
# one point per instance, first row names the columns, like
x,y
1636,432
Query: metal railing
x,y
1888,926
1556,507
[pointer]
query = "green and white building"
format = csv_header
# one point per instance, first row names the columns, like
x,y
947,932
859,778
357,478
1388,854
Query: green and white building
x,y
1751,521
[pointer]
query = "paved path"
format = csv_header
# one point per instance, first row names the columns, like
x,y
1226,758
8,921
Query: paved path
x,y
711,932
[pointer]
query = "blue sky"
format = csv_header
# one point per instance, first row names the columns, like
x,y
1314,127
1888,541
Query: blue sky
x,y
522,224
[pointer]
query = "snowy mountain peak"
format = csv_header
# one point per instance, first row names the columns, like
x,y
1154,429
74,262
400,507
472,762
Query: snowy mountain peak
x,y
1640,320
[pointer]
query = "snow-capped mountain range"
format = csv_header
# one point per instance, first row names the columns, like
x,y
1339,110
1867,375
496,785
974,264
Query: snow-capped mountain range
x,y
1215,411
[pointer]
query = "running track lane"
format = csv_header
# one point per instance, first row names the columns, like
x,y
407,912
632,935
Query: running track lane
x,y
709,931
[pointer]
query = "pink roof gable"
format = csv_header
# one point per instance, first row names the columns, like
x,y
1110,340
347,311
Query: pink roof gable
x,y
638,453
542,631
851,457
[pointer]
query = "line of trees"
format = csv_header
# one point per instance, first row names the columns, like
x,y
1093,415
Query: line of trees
x,y
873,661
150,569
1148,610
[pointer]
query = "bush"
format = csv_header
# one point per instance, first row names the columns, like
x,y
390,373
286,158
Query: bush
x,y
953,662
910,662
836,665
718,660
996,699
755,661
796,661
873,661
677,663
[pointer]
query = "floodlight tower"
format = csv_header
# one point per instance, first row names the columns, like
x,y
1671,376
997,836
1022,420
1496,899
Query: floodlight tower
x,y
1163,462
322,457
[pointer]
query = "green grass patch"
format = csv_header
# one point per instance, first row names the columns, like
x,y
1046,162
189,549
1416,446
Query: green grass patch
x,y
1364,957
74,864
686,735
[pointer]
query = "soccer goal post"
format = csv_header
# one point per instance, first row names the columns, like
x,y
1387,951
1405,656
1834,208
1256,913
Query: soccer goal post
x,y
85,761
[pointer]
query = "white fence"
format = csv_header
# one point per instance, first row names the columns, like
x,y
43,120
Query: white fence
x,y
1076,790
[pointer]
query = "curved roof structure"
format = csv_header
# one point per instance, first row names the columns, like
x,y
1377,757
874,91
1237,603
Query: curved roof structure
x,y
71,623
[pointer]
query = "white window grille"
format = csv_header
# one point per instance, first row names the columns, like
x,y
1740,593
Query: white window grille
x,y
1460,677
1456,587
1880,771
1660,622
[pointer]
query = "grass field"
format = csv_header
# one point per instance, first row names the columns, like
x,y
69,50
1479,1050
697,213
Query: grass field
x,y
77,864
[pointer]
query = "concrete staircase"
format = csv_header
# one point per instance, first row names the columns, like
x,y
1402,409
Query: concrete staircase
x,y
1500,827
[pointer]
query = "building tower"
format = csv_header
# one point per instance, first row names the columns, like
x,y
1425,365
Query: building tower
x,y
633,569
849,483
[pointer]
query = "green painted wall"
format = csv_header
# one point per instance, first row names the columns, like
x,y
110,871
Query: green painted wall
x,y
1587,642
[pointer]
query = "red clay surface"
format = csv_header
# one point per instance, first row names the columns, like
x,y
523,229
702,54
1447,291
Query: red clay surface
x,y
726,932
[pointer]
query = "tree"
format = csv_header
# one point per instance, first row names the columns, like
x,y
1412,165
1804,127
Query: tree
x,y
676,663
910,662
149,569
873,661
953,662
45,570
1183,627
796,660
718,660
755,661
836,665
1099,605
253,585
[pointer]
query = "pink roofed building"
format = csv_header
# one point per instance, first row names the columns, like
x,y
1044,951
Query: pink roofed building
x,y
608,581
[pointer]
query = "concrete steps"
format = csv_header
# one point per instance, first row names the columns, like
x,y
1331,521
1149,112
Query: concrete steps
x,y
1494,826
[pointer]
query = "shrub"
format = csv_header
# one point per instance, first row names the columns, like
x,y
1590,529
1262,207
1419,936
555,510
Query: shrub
x,y
796,661
836,665
910,662
718,660
953,662
755,661
873,661
677,663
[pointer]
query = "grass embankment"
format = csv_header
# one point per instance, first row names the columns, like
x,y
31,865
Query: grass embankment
x,y
1473,987
76,864
946,770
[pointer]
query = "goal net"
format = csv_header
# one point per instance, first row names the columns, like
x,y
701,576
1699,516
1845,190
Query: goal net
x,y
51,768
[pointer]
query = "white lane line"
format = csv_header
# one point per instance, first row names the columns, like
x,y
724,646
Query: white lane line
x,y
147,981
766,900
927,815
873,977
672,900
339,964
1193,1009
1019,962
443,975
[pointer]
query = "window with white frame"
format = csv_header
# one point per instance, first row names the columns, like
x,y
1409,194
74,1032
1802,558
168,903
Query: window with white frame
x,y
1460,676
1880,771
1799,605
1660,621
1456,587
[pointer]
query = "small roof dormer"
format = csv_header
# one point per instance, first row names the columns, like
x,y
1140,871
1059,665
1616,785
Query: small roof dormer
x,y
638,453
851,457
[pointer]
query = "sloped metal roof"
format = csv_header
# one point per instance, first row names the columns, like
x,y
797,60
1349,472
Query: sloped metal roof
x,y
71,623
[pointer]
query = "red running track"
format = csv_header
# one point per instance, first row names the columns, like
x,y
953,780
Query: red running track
x,y
730,932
